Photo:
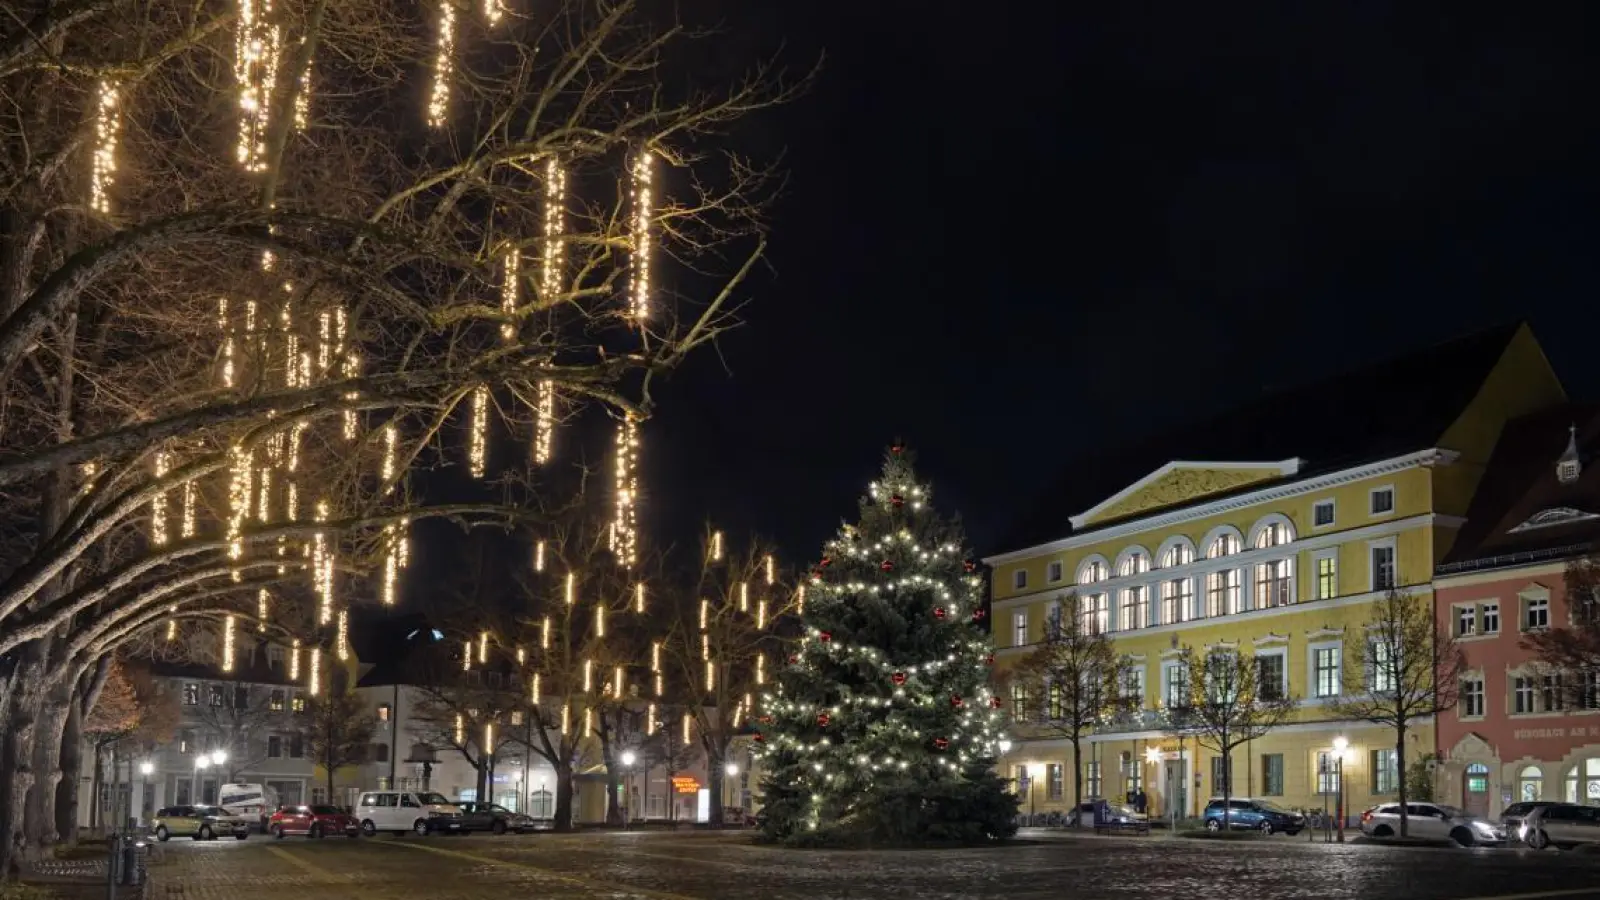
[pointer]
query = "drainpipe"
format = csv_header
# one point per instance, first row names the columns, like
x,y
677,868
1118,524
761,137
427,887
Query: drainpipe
x,y
394,736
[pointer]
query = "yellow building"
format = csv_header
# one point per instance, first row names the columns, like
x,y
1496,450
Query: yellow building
x,y
1271,530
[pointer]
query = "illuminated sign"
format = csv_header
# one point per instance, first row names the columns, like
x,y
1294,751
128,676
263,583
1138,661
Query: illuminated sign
x,y
683,784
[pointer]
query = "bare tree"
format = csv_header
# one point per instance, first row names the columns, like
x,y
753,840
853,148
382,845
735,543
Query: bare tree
x,y
239,722
1569,653
667,750
1407,669
338,731
724,645
1224,703
206,307
1078,674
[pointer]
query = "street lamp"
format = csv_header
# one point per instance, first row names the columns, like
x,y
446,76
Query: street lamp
x,y
1340,745
628,759
145,768
201,761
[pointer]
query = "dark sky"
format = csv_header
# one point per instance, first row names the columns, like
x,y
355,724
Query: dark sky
x,y
1017,231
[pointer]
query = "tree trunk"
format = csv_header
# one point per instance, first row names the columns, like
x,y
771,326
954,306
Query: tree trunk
x,y
563,796
1077,780
1400,762
716,776
41,813
16,756
327,764
115,819
97,780
481,778
1227,786
71,776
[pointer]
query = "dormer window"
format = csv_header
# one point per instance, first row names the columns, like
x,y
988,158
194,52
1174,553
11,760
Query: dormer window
x,y
1568,467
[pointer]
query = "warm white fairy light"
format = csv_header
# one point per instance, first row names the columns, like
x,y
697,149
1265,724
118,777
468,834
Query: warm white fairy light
x,y
158,504
643,174
227,342
478,437
255,66
263,608
492,10
655,656
296,437
242,466
483,647
738,713
661,688
324,341
687,724
538,556
771,568
172,622
705,614
638,598
600,621
566,718
625,529
264,494
188,509
227,643
744,596
711,675
533,690
342,639
588,721
716,546
650,720
461,729
391,564
291,502
466,656
705,646
761,668
761,613
522,656
544,634
618,684
572,588
294,660
322,568
588,675
107,128
391,439
302,99
510,279
443,66
800,599
314,679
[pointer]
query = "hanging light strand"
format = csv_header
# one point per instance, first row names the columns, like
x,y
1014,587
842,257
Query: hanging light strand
x,y
625,531
342,642
510,281
551,276
263,609
643,211
443,66
227,643
294,660
638,598
107,129
158,504
322,567
478,437
255,65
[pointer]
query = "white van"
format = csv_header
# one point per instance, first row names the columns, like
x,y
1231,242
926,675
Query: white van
x,y
254,802
423,812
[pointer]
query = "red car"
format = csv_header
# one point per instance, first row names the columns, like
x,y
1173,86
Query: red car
x,y
312,821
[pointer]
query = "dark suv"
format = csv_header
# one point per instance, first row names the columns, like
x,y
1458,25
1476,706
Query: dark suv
x,y
1259,815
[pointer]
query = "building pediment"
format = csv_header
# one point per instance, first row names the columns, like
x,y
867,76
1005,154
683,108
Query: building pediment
x,y
1555,515
1180,482
1472,746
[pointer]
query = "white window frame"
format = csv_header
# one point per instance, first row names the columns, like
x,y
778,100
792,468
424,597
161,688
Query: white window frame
x,y
1393,547
1456,612
1311,670
1513,679
1167,668
1282,652
1316,575
1499,616
1372,495
1483,696
1525,601
1333,513
1019,580
1054,571
1019,628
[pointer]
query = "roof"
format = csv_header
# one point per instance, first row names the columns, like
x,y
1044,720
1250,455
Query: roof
x,y
1395,407
1521,510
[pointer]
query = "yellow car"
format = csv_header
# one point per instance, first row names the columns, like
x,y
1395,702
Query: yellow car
x,y
202,823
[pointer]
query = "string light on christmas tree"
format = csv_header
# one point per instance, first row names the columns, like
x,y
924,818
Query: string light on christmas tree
x,y
107,128
538,556
227,643
294,660
643,175
625,534
508,285
478,437
341,642
158,504
443,66
314,680
263,608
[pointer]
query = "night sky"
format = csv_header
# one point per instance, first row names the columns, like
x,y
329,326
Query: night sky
x,y
1015,233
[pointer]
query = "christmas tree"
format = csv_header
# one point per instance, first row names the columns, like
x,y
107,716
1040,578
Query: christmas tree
x,y
882,728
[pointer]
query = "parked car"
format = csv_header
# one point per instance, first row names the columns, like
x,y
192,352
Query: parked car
x,y
423,812
1511,820
1259,815
1432,820
312,821
201,822
1561,825
493,817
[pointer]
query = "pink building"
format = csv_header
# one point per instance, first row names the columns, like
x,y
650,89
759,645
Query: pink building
x,y
1521,732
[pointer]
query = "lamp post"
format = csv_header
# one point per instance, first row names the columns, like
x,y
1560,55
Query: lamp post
x,y
1340,745
145,768
628,759
201,761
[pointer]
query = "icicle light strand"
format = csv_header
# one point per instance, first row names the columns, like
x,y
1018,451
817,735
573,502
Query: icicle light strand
x,y
158,504
443,66
625,532
107,127
255,66
227,643
478,438
643,212
263,609
508,287
342,643
551,275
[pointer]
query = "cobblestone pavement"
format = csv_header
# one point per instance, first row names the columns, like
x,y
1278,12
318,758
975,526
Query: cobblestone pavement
x,y
702,866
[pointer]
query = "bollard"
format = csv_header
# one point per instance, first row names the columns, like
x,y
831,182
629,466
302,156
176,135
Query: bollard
x,y
132,862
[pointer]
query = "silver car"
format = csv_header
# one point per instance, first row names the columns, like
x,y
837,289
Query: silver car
x,y
1561,825
1432,821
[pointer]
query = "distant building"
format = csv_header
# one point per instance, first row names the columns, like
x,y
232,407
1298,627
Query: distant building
x,y
1519,730
1270,530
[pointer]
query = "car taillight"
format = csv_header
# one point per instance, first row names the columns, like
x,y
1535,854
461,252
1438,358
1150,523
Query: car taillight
x,y
1366,817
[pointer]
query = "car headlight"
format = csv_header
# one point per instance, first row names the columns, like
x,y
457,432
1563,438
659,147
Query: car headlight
x,y
1484,828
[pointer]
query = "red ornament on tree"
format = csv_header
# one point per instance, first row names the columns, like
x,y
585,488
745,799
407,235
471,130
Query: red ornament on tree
x,y
897,501
765,720
970,566
956,701
825,636
898,678
886,565
940,743
897,448
977,615
758,738
823,720
793,659
825,562
995,702
938,612
989,660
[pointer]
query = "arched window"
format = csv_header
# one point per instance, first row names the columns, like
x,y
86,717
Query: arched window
x,y
1530,784
1133,562
1273,534
1224,544
1180,553
1093,570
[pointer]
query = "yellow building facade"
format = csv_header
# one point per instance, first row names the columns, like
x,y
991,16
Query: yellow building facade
x,y
1276,558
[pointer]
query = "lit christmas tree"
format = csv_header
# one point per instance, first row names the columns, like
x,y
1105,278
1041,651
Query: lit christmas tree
x,y
882,727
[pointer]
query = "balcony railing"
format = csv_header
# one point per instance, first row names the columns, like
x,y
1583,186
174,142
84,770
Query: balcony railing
x,y
1136,720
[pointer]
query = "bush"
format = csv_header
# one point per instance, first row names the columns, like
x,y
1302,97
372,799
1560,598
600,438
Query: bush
x,y
911,814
